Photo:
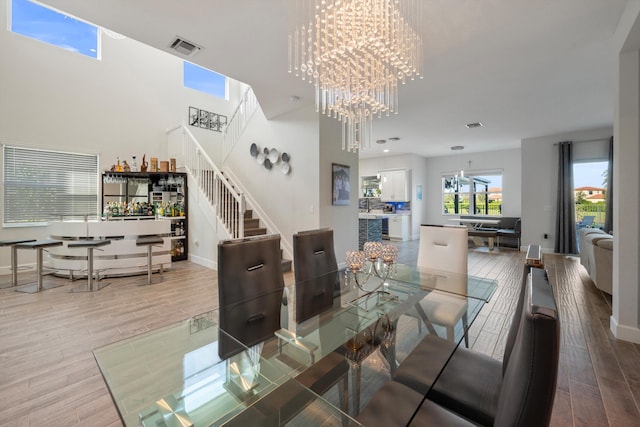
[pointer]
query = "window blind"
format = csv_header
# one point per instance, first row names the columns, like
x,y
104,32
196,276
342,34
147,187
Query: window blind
x,y
42,185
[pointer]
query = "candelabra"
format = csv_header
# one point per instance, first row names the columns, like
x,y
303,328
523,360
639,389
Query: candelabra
x,y
376,260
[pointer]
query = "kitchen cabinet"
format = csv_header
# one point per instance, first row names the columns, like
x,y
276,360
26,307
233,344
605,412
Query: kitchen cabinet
x,y
399,227
394,186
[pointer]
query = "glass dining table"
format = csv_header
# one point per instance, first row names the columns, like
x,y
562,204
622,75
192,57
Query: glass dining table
x,y
175,376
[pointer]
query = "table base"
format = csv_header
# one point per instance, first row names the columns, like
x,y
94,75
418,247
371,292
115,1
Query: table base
x,y
95,286
33,288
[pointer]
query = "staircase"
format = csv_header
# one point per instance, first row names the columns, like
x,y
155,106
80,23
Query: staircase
x,y
252,228
252,225
228,203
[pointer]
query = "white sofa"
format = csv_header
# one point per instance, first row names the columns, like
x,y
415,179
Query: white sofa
x,y
596,255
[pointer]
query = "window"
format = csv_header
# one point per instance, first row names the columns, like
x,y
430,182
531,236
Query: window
x,y
590,189
41,185
479,194
47,25
204,80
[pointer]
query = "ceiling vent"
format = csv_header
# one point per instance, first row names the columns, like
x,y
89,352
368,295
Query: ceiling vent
x,y
184,47
473,125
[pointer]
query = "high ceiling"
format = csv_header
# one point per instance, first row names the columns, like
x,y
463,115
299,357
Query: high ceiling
x,y
524,68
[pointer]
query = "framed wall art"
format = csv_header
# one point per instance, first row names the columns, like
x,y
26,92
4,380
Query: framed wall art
x,y
204,119
340,176
213,122
194,116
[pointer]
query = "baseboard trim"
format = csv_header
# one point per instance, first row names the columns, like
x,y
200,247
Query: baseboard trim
x,y
203,262
6,270
624,332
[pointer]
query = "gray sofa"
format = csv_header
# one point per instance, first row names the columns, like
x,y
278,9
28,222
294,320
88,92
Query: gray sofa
x,y
596,256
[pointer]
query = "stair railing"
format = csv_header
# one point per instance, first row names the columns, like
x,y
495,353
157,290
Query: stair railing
x,y
228,203
238,122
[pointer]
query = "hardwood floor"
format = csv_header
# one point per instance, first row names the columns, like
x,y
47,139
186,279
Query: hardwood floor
x,y
48,376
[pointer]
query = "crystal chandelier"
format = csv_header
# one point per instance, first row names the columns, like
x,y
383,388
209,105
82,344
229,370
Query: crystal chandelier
x,y
355,52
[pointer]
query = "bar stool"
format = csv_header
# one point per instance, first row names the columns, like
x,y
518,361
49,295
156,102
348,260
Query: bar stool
x,y
149,242
38,245
14,259
90,245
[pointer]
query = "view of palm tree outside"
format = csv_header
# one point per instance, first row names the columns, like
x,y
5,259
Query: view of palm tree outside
x,y
590,188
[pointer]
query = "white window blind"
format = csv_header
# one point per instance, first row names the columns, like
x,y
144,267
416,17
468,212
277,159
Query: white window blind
x,y
41,185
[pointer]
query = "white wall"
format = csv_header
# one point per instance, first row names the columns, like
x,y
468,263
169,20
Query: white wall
x,y
540,179
343,219
625,319
290,201
118,106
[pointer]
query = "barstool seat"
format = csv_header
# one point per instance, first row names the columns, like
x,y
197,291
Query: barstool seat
x,y
149,242
90,245
14,258
38,245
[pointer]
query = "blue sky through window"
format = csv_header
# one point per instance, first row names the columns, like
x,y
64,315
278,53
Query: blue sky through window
x,y
589,174
204,80
40,23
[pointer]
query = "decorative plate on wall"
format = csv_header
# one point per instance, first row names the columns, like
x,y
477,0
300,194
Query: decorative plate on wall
x,y
274,156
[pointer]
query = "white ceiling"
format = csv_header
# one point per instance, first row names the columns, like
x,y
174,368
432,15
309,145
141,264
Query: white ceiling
x,y
524,68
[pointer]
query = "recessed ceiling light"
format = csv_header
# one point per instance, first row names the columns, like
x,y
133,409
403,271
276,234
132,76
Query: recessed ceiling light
x,y
386,150
457,147
474,125
381,141
394,138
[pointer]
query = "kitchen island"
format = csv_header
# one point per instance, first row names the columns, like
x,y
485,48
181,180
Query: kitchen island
x,y
369,228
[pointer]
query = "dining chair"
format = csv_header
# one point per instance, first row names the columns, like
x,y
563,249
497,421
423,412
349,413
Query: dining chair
x,y
314,261
316,281
250,289
445,248
475,389
526,391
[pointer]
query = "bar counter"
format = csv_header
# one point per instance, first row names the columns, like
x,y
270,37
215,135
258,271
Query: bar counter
x,y
122,257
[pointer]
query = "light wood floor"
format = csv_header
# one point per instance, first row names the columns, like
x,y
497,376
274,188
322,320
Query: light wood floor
x,y
48,376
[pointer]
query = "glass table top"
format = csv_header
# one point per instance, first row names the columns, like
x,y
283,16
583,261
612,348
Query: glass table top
x,y
175,375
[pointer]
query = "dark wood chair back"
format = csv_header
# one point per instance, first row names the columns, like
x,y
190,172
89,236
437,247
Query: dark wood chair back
x,y
250,288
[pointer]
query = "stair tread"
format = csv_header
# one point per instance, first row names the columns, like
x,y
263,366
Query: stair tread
x,y
286,265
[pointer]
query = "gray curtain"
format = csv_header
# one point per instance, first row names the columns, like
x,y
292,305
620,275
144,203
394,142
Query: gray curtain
x,y
608,213
566,218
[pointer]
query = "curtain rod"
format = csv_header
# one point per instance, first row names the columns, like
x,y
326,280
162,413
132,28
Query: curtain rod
x,y
587,140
